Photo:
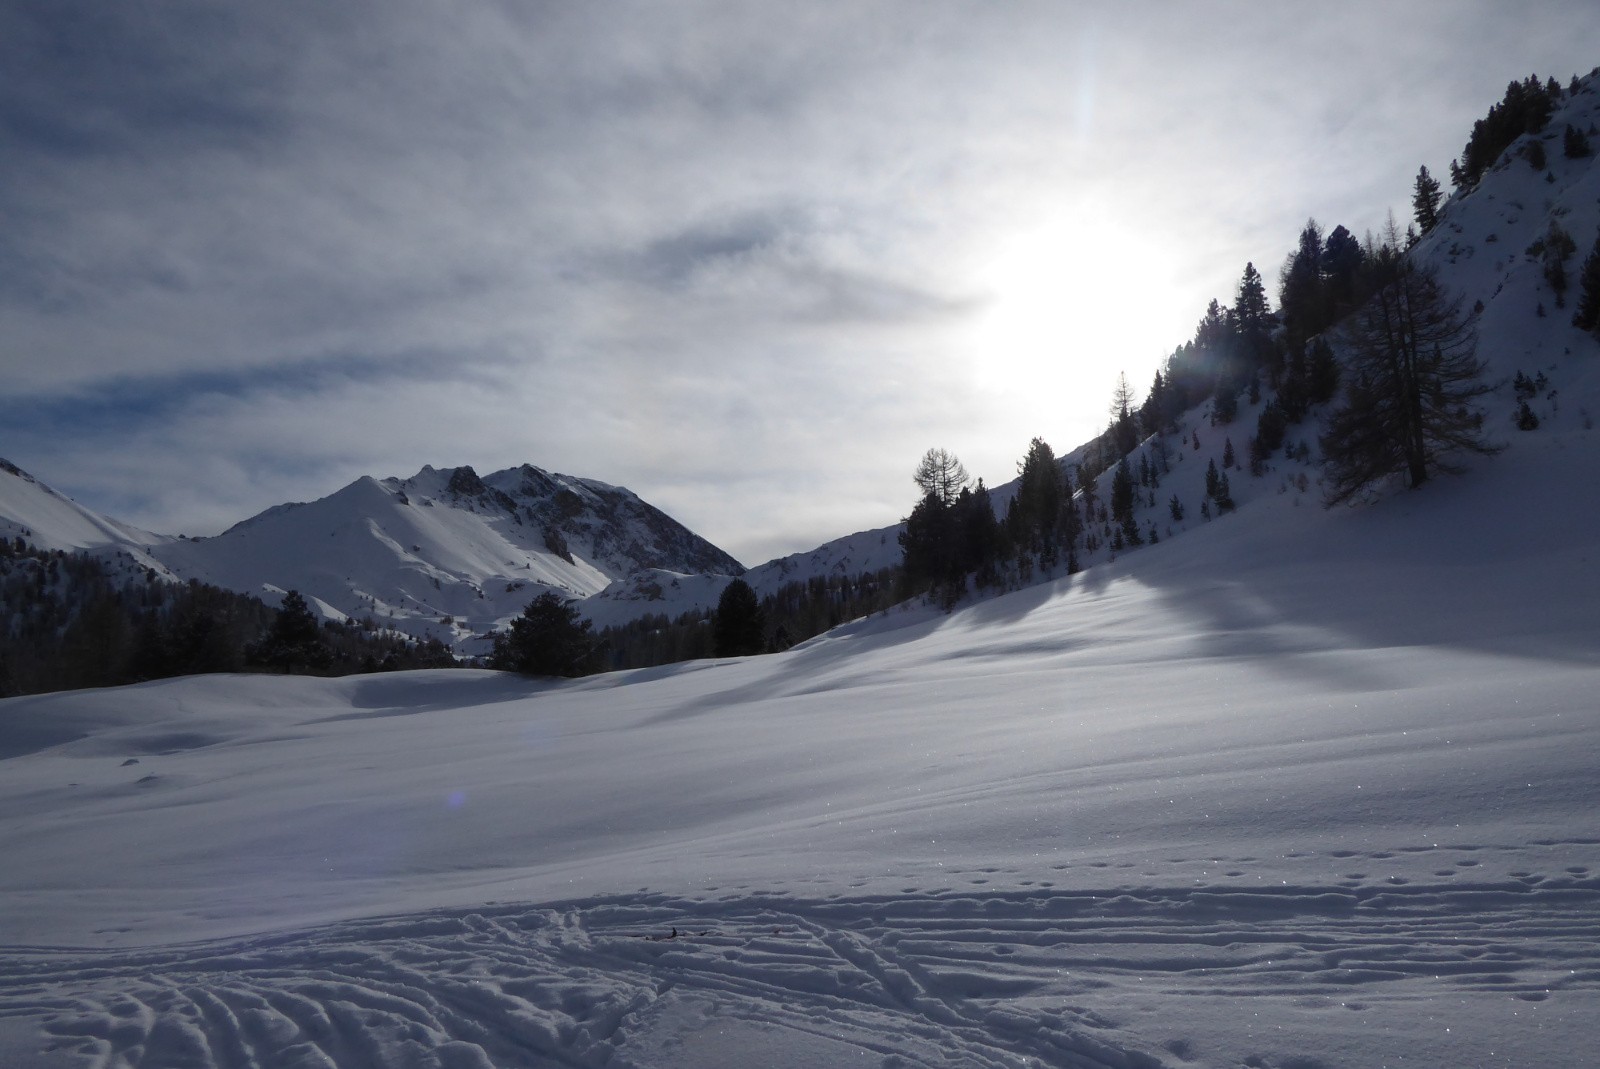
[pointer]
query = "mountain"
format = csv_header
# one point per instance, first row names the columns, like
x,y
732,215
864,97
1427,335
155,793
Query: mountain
x,y
42,517
447,553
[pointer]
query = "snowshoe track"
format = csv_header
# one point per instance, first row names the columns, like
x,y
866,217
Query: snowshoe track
x,y
1008,978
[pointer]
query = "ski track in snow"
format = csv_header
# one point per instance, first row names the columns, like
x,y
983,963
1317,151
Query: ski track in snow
x,y
1025,976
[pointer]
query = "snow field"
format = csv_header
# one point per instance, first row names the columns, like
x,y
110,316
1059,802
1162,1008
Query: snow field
x,y
1313,797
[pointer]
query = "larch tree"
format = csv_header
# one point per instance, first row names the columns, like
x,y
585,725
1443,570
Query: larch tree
x,y
1413,376
941,474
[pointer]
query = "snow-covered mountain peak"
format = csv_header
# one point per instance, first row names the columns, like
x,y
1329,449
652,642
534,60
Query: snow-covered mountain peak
x,y
447,553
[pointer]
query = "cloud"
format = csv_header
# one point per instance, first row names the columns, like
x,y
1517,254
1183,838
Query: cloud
x,y
731,255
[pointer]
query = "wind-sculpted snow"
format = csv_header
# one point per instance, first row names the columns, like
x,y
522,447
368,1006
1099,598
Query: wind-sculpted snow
x,y
1030,975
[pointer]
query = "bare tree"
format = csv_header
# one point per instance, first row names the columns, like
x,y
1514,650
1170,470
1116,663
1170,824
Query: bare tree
x,y
1413,376
941,474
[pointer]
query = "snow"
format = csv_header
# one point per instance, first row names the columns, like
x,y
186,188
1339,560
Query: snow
x,y
1299,789
1318,786
40,516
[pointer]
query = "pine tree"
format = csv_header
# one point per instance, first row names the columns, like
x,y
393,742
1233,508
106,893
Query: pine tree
x,y
1587,316
1124,431
928,543
1038,503
1225,406
1224,495
294,642
1425,199
548,639
1415,377
1253,324
1322,373
739,627
1574,143
1122,492
1301,301
1154,416
1342,260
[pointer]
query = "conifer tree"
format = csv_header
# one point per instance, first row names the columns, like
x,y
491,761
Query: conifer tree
x,y
1253,323
1122,492
294,642
928,543
1124,431
739,626
1301,302
1425,199
1038,503
1587,316
549,639
1322,373
1342,259
1574,143
1153,414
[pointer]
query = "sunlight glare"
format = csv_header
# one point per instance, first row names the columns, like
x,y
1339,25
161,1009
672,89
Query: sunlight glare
x,y
1071,302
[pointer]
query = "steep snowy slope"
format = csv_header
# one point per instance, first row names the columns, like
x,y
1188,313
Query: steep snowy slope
x,y
40,516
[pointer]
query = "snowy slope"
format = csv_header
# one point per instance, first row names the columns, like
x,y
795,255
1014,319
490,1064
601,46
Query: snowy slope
x,y
1316,787
44,518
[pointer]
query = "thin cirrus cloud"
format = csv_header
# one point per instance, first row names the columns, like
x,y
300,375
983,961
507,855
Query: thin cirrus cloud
x,y
749,259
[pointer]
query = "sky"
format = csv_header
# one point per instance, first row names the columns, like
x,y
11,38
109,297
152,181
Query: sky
x,y
749,260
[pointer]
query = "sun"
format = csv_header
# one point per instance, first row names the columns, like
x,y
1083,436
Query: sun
x,y
1070,301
